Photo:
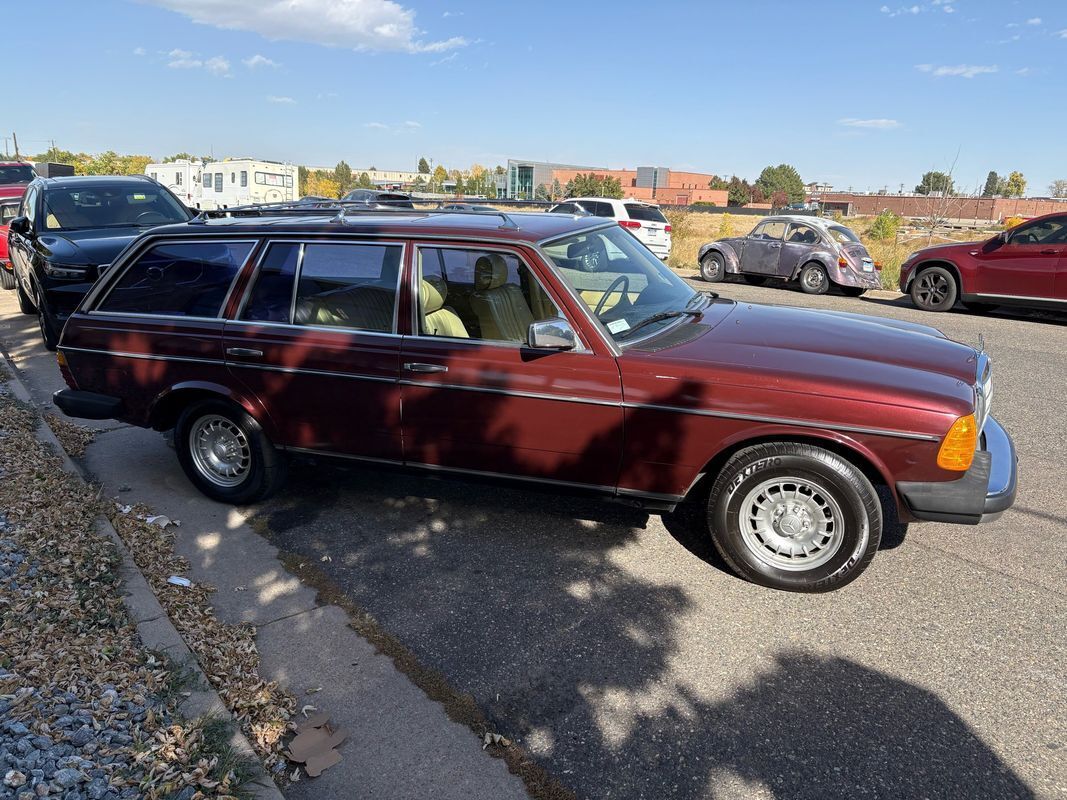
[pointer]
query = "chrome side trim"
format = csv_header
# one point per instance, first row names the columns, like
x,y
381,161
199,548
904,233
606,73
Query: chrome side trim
x,y
321,328
667,498
1023,297
147,356
370,459
305,371
787,421
513,393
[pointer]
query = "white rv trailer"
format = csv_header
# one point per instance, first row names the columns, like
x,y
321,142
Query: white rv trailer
x,y
182,177
240,181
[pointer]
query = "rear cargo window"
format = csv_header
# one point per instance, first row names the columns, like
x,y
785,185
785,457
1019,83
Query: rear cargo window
x,y
644,213
179,279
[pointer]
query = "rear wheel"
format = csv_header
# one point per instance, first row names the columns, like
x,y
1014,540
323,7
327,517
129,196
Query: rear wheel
x,y
226,454
712,267
813,279
7,279
852,291
934,289
795,517
755,280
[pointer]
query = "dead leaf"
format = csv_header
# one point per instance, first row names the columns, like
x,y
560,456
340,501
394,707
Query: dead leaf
x,y
326,558
305,709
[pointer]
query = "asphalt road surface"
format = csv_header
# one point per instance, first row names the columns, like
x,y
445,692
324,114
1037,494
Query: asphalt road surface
x,y
618,651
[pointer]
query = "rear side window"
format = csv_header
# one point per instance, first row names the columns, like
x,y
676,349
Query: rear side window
x,y
180,279
598,209
348,286
644,213
271,298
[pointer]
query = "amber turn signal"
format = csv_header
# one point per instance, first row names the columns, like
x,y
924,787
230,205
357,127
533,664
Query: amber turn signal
x,y
61,359
957,451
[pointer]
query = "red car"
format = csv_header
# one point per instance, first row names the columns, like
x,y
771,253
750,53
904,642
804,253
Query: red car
x,y
484,344
1023,266
14,177
9,209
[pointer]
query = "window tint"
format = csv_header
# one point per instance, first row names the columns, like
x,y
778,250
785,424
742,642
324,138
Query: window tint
x,y
271,297
348,286
565,208
29,204
769,230
111,206
1047,231
644,213
479,294
182,279
17,173
597,208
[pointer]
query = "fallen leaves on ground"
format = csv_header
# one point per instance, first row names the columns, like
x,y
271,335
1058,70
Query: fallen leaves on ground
x,y
74,438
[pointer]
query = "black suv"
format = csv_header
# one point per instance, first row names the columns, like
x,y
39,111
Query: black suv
x,y
70,229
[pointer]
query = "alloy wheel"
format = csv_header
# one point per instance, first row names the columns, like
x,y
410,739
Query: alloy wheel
x,y
220,450
791,523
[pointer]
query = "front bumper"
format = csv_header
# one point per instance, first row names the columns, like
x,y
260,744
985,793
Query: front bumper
x,y
984,492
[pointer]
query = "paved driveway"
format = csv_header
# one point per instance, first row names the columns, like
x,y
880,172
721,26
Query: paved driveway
x,y
617,650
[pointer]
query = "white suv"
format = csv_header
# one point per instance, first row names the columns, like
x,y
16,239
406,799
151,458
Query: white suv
x,y
644,220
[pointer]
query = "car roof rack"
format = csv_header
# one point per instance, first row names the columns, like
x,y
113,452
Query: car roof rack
x,y
343,209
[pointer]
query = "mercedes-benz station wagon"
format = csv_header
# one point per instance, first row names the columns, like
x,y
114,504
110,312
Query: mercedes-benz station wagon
x,y
486,343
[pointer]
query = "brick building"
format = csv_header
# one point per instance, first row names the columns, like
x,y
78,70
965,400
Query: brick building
x,y
991,209
655,184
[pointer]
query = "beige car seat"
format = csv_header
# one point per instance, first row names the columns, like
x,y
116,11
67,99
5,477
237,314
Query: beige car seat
x,y
501,308
436,319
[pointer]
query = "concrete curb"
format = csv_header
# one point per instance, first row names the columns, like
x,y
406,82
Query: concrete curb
x,y
153,625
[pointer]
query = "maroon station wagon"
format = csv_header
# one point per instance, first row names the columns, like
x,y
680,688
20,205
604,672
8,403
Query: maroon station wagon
x,y
485,343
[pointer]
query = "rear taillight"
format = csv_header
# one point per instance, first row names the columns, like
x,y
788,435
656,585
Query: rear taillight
x,y
629,223
877,264
843,263
666,228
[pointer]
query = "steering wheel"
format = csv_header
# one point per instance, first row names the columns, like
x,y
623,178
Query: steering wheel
x,y
140,217
622,279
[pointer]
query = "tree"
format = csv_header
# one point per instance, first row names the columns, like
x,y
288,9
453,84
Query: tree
x,y
783,178
440,175
934,182
779,199
342,173
556,192
185,157
322,183
885,226
364,181
718,183
1058,188
302,180
1016,185
424,167
542,192
593,185
992,185
460,189
739,191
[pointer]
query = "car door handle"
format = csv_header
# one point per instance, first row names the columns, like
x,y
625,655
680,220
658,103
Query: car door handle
x,y
776,245
416,367
244,351
1049,252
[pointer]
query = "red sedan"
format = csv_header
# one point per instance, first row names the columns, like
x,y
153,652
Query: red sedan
x,y
1023,266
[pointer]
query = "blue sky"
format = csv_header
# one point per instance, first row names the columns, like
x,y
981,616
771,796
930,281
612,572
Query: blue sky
x,y
859,93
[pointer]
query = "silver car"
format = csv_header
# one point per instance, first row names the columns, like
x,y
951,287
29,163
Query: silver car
x,y
819,253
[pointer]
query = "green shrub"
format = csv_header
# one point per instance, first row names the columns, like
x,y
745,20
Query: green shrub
x,y
726,227
885,226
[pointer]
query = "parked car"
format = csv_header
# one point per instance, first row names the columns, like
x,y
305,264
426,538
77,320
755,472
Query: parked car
x,y
9,209
14,177
820,253
380,197
252,338
1023,266
644,220
466,207
70,229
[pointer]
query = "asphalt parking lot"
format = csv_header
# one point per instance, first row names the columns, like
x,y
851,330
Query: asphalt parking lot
x,y
615,648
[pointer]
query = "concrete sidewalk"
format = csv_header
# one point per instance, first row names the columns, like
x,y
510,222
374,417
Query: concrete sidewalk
x,y
401,743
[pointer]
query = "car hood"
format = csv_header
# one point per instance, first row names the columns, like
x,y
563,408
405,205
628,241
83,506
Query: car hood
x,y
88,247
945,249
831,353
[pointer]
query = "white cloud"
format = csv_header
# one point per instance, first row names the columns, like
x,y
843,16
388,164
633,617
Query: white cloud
x,y
184,59
948,9
874,124
899,11
450,57
1034,21
1024,71
1062,34
272,98
259,61
408,126
139,51
448,14
959,71
382,25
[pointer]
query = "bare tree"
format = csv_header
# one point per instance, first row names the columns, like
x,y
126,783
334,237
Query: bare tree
x,y
940,207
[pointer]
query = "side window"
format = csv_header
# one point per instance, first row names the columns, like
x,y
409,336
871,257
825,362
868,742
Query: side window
x,y
802,234
769,230
180,279
218,181
565,208
207,180
479,294
29,205
178,178
348,286
244,178
271,298
1047,231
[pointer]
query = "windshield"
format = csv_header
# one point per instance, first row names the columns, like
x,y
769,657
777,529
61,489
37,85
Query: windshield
x,y
842,235
621,281
16,173
81,207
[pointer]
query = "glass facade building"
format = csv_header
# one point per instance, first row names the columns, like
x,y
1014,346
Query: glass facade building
x,y
525,176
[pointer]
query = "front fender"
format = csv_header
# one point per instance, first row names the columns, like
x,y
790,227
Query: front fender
x,y
726,251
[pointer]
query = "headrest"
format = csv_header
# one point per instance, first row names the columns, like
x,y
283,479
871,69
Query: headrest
x,y
431,296
490,272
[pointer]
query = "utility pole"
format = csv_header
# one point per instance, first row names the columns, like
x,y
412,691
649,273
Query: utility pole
x,y
16,140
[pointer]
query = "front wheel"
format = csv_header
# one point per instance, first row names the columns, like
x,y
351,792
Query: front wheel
x,y
934,289
26,305
813,279
712,267
47,326
7,279
795,517
226,454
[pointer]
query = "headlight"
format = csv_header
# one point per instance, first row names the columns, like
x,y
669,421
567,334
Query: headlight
x,y
64,270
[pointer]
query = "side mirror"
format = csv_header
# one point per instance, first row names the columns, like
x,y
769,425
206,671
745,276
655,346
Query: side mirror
x,y
551,334
19,225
